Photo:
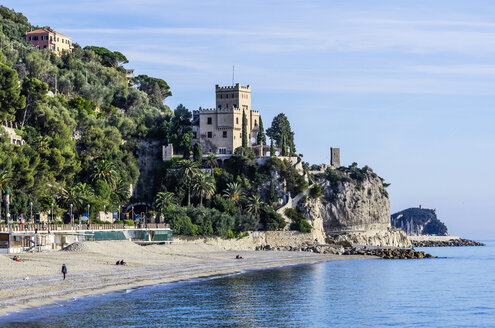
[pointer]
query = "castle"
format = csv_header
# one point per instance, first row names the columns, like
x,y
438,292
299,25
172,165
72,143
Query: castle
x,y
219,130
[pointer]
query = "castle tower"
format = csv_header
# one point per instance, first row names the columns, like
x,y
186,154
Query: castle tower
x,y
335,157
220,129
233,97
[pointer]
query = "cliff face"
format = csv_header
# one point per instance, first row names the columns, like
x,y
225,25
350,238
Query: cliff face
x,y
419,221
355,207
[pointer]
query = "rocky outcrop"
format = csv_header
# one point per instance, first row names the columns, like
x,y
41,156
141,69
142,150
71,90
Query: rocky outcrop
x,y
354,207
419,221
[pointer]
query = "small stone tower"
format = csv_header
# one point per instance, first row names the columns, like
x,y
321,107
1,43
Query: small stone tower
x,y
335,157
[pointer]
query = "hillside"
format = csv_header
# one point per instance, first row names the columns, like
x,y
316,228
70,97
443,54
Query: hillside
x,y
419,221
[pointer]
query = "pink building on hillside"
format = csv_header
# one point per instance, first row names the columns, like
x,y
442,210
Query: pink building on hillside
x,y
46,39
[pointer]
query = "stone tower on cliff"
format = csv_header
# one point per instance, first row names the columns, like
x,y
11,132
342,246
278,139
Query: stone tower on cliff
x,y
219,129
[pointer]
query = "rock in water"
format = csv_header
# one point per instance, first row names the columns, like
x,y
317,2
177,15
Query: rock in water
x,y
419,221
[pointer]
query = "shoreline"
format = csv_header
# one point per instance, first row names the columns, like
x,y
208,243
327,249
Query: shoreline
x,y
92,272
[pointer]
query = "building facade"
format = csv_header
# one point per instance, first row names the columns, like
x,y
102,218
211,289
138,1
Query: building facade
x,y
219,129
47,39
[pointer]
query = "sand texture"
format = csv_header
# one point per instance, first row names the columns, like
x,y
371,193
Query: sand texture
x,y
37,280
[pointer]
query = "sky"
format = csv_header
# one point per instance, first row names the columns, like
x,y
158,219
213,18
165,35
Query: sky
x,y
405,87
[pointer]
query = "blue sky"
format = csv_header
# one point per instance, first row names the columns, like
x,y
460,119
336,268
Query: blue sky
x,y
406,87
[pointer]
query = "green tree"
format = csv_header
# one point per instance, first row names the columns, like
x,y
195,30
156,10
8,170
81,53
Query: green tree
x,y
157,89
204,186
107,57
244,130
34,92
11,99
104,170
261,137
198,153
179,131
315,191
163,200
235,192
254,204
281,133
211,161
188,170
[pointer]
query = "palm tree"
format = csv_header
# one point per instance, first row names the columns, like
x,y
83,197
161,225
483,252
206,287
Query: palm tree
x,y
104,170
234,191
188,170
164,199
211,161
84,191
121,189
71,196
254,204
204,185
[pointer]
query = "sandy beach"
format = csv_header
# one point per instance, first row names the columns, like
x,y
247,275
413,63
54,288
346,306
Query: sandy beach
x,y
37,280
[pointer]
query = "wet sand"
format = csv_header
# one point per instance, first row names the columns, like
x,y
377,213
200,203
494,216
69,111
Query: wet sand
x,y
37,280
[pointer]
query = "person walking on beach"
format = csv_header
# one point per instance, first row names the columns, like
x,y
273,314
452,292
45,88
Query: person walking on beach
x,y
64,270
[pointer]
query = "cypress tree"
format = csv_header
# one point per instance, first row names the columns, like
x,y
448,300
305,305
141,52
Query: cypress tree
x,y
272,149
261,139
244,131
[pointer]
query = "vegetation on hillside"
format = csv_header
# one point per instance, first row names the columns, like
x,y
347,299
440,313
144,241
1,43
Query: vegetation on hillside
x,y
81,120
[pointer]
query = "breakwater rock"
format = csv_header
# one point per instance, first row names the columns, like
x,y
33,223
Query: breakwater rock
x,y
322,249
384,253
390,253
446,243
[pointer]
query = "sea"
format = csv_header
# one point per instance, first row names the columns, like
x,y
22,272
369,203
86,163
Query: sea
x,y
455,290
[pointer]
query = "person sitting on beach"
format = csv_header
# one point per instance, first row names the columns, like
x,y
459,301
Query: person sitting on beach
x,y
122,262
117,263
238,257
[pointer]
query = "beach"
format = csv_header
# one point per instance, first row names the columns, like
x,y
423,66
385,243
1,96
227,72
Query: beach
x,y
37,279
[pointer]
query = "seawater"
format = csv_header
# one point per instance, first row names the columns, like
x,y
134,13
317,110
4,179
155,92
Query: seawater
x,y
457,290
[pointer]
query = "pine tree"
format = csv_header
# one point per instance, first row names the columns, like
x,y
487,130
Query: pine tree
x,y
244,130
261,139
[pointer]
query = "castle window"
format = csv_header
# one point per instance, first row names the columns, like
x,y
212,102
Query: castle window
x,y
255,122
225,134
236,120
209,120
232,95
227,96
210,134
219,106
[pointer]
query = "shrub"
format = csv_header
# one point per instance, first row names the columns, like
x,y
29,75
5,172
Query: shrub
x,y
299,221
315,191
301,225
271,220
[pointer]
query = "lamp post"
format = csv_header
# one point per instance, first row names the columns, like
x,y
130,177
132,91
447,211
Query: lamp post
x,y
52,213
71,217
31,218
119,213
88,211
133,215
7,203
104,212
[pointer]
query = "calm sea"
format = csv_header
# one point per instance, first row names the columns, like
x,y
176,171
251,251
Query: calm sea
x,y
455,291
